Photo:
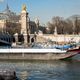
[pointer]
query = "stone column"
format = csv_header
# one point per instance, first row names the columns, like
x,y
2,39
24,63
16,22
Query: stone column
x,y
16,40
24,23
16,37
25,38
55,31
37,25
35,37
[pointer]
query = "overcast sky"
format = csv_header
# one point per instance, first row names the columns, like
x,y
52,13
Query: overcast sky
x,y
44,9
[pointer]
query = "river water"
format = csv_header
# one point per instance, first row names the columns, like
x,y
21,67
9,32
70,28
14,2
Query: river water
x,y
46,70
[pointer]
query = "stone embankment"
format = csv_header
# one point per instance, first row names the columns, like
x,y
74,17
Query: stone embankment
x,y
58,38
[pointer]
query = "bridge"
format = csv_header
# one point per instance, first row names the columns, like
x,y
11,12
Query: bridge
x,y
5,40
51,37
41,38
4,43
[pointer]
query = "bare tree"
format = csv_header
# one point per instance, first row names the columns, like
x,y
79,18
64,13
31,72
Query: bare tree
x,y
67,26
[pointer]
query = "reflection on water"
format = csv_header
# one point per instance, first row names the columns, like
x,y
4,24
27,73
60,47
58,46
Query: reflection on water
x,y
46,70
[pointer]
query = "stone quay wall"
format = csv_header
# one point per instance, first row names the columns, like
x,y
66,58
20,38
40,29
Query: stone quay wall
x,y
58,38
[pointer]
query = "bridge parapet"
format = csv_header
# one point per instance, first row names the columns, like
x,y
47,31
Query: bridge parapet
x,y
41,38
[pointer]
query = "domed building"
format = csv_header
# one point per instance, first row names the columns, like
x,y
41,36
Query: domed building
x,y
11,22
7,19
8,15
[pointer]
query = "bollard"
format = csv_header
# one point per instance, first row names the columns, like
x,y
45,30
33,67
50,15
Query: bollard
x,y
6,74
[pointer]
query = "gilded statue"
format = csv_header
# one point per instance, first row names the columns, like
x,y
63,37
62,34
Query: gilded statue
x,y
24,7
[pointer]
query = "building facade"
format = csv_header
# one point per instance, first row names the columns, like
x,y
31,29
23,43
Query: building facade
x,y
11,22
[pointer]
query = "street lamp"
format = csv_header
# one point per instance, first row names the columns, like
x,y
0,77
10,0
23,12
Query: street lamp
x,y
28,29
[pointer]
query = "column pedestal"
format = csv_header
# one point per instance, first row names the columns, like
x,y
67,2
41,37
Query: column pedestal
x,y
25,38
16,37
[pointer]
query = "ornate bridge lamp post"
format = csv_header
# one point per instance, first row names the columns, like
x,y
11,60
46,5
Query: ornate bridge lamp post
x,y
28,30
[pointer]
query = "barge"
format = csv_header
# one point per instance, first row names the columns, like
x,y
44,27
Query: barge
x,y
36,54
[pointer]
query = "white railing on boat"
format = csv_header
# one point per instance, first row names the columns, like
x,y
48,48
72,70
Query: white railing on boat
x,y
23,50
